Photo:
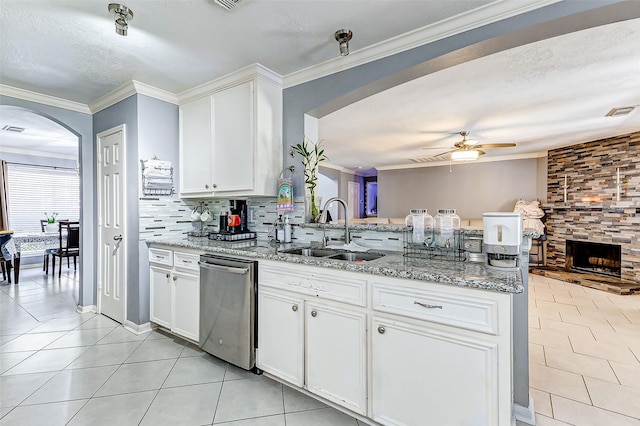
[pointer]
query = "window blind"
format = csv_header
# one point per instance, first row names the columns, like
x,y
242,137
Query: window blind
x,y
34,190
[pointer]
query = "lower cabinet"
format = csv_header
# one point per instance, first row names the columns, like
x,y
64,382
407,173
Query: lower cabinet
x,y
424,375
336,366
175,292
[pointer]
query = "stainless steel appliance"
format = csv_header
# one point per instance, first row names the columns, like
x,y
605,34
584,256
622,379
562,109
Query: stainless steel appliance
x,y
228,308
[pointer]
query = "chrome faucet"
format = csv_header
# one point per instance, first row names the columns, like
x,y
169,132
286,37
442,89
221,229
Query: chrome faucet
x,y
323,218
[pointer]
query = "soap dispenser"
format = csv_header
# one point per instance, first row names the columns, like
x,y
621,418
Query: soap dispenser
x,y
287,229
279,226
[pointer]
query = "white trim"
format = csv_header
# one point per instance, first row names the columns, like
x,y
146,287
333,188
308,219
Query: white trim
x,y
493,12
28,95
38,153
238,77
99,136
131,88
525,414
86,309
525,156
138,328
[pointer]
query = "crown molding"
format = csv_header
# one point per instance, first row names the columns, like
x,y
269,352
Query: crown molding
x,y
131,88
28,95
539,154
488,14
237,77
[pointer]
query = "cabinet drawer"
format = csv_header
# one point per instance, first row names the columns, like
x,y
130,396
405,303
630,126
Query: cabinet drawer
x,y
460,311
161,256
343,287
186,261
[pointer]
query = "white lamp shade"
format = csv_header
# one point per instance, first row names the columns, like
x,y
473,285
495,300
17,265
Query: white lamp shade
x,y
465,155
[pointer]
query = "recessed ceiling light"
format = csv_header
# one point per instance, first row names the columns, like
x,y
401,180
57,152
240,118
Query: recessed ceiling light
x,y
617,112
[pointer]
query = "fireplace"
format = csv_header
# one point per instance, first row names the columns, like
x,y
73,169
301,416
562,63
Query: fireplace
x,y
597,258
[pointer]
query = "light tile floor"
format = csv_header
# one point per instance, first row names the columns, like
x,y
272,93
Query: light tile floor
x,y
584,355
60,367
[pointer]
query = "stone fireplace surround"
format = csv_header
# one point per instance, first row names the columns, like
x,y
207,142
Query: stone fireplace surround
x,y
592,212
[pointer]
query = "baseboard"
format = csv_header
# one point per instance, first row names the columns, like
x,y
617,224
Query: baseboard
x,y
86,309
525,414
137,328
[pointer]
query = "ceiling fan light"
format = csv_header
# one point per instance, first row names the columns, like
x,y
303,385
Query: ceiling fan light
x,y
469,155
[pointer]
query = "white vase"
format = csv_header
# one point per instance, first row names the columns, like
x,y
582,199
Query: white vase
x,y
51,227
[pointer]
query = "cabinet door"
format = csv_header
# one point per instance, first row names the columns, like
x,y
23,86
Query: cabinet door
x,y
160,293
336,356
432,376
281,336
196,136
186,305
233,153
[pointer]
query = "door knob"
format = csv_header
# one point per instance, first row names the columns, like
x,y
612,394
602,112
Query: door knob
x,y
117,238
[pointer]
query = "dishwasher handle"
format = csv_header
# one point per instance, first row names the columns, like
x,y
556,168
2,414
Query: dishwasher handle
x,y
221,268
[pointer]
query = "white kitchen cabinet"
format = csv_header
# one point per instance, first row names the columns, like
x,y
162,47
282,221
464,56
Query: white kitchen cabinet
x,y
175,291
231,136
336,363
307,307
281,336
161,295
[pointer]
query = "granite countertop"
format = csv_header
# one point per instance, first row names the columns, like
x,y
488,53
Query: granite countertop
x,y
393,264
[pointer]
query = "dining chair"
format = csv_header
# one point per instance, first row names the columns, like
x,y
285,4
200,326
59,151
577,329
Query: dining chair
x,y
5,259
68,246
47,251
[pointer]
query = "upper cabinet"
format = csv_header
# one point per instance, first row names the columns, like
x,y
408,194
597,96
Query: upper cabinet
x,y
231,136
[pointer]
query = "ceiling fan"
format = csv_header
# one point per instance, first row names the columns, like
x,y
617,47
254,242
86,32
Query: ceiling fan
x,y
469,149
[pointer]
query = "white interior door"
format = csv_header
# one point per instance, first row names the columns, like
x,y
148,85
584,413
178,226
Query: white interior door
x,y
354,200
111,226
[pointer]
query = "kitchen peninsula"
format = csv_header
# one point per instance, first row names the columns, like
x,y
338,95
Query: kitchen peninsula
x,y
392,340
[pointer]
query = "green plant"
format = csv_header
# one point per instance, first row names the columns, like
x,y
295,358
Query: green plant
x,y
312,155
52,218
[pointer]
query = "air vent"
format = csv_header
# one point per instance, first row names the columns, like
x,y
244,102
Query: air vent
x,y
441,157
228,4
14,129
619,112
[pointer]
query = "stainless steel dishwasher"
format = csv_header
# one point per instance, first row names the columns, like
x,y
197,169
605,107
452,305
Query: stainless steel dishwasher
x,y
228,309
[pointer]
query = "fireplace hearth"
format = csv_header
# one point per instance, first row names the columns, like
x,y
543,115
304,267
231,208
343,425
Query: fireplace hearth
x,y
595,258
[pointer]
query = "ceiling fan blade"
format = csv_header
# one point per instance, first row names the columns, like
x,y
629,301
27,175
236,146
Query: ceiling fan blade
x,y
480,152
495,145
437,147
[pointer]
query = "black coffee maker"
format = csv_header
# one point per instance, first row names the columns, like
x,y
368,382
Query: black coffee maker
x,y
238,216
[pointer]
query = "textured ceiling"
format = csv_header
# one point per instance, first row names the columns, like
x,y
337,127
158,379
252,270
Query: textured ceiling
x,y
545,94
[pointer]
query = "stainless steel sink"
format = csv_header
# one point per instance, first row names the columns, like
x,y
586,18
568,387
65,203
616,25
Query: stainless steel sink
x,y
311,252
355,257
333,254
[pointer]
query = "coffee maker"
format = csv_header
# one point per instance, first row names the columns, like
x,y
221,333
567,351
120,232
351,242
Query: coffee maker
x,y
238,218
501,239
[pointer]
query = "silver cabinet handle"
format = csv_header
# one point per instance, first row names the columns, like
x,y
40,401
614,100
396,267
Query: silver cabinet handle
x,y
381,330
167,275
294,308
186,261
206,187
175,278
215,186
424,305
314,313
117,237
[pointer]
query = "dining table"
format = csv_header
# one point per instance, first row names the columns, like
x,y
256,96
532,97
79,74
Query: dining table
x,y
31,241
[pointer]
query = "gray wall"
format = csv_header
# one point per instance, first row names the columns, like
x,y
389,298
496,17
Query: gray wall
x,y
158,135
471,189
81,125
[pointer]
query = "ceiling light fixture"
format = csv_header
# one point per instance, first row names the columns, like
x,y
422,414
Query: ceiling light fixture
x,y
122,14
343,37
465,155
